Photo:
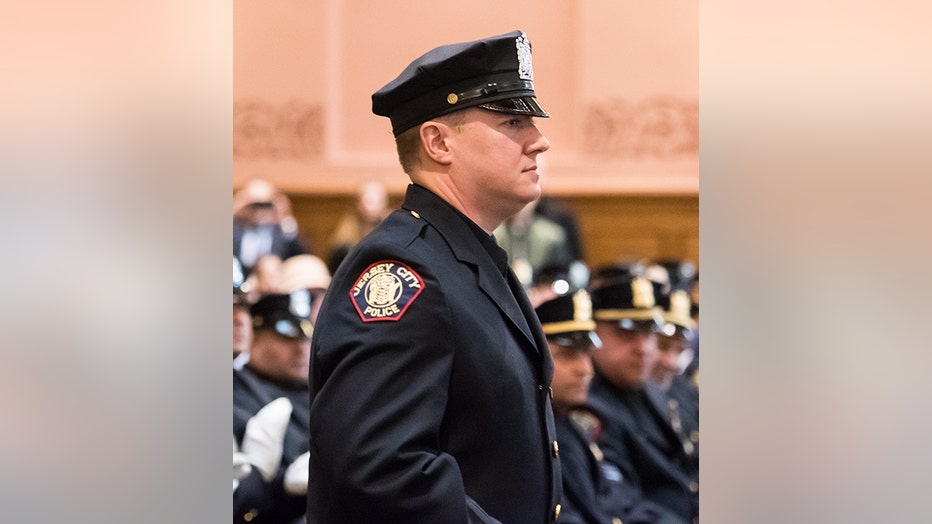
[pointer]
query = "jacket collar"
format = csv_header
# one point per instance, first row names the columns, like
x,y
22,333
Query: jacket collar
x,y
467,248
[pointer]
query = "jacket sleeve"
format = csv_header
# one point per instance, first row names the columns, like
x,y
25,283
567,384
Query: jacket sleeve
x,y
379,398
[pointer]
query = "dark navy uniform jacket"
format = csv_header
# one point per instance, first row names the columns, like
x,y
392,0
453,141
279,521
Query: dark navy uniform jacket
x,y
639,440
256,501
591,498
430,381
683,409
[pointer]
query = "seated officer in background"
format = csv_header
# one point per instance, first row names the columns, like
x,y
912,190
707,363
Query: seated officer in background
x,y
258,227
682,396
277,371
257,461
637,437
588,496
242,320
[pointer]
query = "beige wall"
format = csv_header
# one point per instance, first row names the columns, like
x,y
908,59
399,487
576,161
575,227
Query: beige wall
x,y
619,77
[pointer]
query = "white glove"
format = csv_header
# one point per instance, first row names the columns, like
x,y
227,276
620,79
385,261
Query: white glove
x,y
264,439
241,466
296,475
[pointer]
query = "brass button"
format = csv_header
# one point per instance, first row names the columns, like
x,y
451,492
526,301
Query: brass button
x,y
694,436
253,513
688,447
556,512
693,486
556,449
617,520
415,214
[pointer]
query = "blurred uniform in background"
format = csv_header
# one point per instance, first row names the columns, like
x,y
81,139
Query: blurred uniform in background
x,y
588,496
277,368
637,437
675,341
258,225
242,320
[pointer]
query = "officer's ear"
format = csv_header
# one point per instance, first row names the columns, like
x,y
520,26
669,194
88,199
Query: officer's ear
x,y
435,137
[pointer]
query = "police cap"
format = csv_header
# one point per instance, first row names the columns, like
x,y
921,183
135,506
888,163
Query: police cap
x,y
630,300
567,320
494,73
285,314
677,311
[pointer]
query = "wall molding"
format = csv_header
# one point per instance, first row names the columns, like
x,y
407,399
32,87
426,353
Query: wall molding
x,y
264,130
660,127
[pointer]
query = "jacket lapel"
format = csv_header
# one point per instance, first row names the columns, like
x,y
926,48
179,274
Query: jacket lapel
x,y
467,249
654,404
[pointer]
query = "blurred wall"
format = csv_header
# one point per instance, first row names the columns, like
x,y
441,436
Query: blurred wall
x,y
619,77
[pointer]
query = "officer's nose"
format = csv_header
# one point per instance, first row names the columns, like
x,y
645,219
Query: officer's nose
x,y
539,144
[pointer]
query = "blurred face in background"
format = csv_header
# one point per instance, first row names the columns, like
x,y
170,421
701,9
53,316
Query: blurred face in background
x,y
258,213
373,201
281,357
253,204
667,365
242,330
572,373
627,356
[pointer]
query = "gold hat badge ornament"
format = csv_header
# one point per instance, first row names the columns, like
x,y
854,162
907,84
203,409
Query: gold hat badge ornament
x,y
642,293
582,306
679,312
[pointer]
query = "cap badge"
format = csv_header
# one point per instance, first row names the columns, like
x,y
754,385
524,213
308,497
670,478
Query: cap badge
x,y
679,303
385,290
643,293
300,303
582,306
525,70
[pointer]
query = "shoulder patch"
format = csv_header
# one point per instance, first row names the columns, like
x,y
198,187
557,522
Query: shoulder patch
x,y
385,290
588,421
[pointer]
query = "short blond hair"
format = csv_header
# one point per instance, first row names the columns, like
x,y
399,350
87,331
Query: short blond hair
x,y
408,143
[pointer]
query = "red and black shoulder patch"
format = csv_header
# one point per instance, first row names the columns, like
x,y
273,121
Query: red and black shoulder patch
x,y
385,290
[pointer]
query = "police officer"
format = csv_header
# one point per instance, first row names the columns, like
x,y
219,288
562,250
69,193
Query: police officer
x,y
275,383
637,437
589,496
430,373
681,396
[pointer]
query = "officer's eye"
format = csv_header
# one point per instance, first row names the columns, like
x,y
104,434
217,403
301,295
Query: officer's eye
x,y
518,122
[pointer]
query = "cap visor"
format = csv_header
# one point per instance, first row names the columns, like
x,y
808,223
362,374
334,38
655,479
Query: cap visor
x,y
577,339
523,105
291,329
